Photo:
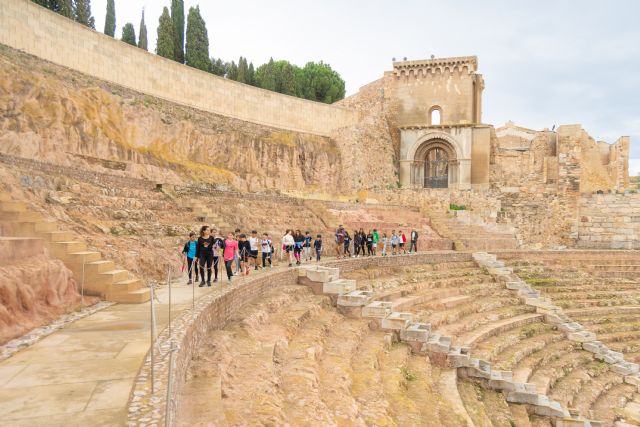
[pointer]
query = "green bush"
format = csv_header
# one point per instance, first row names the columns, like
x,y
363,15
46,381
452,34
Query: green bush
x,y
454,207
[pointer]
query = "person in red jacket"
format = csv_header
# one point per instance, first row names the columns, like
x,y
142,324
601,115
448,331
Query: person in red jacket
x,y
403,242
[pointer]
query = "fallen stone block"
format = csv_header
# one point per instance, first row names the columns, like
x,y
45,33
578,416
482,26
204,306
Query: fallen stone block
x,y
397,320
377,309
357,298
340,286
415,332
438,344
595,347
625,368
609,356
502,381
581,336
570,327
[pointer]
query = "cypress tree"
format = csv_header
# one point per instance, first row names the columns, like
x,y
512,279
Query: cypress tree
x,y
243,70
82,13
266,76
110,20
129,34
165,45
177,16
251,75
142,41
44,3
218,67
197,46
232,71
63,7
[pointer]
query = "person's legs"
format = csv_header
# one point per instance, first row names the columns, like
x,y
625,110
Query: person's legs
x,y
227,265
318,254
209,265
189,267
215,268
264,259
201,263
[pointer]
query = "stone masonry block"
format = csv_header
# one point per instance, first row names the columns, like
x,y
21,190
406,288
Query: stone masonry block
x,y
340,286
570,327
357,298
377,309
416,332
609,356
319,275
595,347
397,320
581,336
438,344
625,368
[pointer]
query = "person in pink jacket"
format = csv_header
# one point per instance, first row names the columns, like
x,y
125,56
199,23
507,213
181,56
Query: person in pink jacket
x,y
229,254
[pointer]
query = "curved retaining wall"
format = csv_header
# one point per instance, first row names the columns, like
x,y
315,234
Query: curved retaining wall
x,y
213,310
48,35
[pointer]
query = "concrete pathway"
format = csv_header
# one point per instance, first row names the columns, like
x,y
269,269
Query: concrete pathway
x,y
82,375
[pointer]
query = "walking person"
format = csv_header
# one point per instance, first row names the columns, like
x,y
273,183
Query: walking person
x,y
339,238
288,244
376,239
244,248
189,253
369,243
307,245
266,246
230,254
413,246
317,245
347,243
385,242
236,260
204,253
356,243
253,244
394,242
402,242
218,247
298,239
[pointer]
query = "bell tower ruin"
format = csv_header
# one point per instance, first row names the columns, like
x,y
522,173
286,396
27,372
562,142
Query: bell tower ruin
x,y
443,141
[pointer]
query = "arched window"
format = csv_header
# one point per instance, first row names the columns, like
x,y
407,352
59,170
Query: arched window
x,y
435,116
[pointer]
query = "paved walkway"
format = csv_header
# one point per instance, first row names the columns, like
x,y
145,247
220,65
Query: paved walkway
x,y
82,375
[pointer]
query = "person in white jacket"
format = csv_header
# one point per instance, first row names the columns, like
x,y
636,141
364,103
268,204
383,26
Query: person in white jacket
x,y
288,243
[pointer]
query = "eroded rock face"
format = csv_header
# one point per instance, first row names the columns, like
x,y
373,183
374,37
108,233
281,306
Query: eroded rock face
x,y
33,292
57,115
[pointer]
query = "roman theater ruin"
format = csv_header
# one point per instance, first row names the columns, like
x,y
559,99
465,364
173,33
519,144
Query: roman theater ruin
x,y
520,308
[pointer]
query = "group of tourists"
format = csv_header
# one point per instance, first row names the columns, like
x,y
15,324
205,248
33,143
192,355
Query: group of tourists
x,y
239,252
367,244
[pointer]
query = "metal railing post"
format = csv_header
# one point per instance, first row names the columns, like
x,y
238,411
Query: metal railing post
x,y
153,343
82,284
169,401
169,285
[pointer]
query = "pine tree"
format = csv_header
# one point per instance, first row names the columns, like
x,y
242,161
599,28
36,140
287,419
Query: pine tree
x,y
251,75
129,34
177,16
218,67
142,41
82,13
44,3
265,76
63,7
165,44
110,20
197,46
243,70
232,71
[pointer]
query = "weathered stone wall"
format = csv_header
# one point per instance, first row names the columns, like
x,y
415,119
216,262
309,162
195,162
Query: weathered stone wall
x,y
40,32
608,221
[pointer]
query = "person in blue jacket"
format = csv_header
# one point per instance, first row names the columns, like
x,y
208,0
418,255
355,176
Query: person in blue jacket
x,y
189,252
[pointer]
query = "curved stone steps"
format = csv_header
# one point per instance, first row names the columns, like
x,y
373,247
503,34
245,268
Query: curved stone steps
x,y
488,330
300,372
527,367
518,340
476,320
596,388
604,408
602,329
624,336
476,409
374,407
336,372
448,386
567,387
549,375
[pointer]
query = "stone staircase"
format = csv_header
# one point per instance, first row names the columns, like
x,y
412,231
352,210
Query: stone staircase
x,y
101,277
467,235
383,310
207,216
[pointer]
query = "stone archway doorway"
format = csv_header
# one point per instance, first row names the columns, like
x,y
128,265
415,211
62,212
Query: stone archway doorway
x,y
436,168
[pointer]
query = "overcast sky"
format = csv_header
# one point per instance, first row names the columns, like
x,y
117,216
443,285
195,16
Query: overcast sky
x,y
544,62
